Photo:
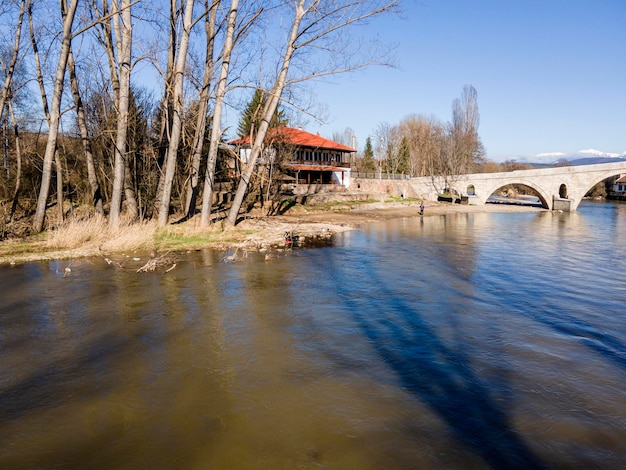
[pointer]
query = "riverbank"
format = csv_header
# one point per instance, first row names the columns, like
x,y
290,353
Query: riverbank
x,y
254,233
313,221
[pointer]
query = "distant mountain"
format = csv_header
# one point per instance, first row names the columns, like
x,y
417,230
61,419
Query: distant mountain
x,y
594,160
582,157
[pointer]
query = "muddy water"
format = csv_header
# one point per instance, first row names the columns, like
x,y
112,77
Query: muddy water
x,y
460,341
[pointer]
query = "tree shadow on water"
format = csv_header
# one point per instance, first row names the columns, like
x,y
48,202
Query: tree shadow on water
x,y
438,376
598,338
59,381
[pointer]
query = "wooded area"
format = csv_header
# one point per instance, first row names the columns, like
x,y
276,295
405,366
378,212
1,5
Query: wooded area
x,y
117,108
425,146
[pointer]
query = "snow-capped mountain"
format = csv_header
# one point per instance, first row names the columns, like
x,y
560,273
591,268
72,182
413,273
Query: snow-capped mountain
x,y
582,157
600,153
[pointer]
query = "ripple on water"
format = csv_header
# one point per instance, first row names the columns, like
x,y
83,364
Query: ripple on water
x,y
462,341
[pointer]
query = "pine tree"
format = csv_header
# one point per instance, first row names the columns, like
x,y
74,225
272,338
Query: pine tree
x,y
403,157
251,116
368,163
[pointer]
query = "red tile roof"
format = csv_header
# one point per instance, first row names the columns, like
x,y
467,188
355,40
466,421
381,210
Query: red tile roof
x,y
298,137
621,180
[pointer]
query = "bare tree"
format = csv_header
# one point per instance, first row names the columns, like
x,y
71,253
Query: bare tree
x,y
203,105
177,118
383,144
444,151
114,33
14,55
314,24
167,104
347,137
84,135
6,102
268,111
122,21
465,150
216,132
55,114
423,137
428,145
18,160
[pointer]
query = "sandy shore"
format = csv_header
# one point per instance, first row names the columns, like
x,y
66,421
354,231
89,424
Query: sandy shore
x,y
372,212
270,231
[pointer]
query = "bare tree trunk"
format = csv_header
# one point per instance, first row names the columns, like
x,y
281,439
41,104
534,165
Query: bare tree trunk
x,y
201,121
132,210
122,180
18,166
167,106
268,111
124,41
216,132
55,114
84,135
42,88
177,118
7,101
105,37
11,69
59,170
132,207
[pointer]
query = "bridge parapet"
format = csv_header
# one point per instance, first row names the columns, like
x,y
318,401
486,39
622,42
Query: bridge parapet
x,y
558,188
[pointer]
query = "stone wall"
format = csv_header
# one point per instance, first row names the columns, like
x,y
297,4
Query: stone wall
x,y
415,188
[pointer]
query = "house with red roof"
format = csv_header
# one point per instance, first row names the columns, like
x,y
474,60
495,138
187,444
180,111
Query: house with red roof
x,y
307,158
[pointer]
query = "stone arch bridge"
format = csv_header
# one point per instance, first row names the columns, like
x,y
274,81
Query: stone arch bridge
x,y
558,188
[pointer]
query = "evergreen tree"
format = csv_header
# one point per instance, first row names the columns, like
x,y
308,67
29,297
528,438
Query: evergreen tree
x,y
397,154
367,163
251,117
403,157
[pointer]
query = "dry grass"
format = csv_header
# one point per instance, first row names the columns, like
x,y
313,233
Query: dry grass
x,y
93,237
94,234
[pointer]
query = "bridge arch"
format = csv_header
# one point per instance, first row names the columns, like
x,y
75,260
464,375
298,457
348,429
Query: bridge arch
x,y
557,187
578,197
485,190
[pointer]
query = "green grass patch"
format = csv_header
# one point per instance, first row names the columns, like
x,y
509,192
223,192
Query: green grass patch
x,y
402,199
341,205
168,239
10,248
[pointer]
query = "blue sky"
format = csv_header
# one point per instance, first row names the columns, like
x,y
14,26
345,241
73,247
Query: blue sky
x,y
550,74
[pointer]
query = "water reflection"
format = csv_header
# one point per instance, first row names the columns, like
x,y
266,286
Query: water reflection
x,y
460,341
436,370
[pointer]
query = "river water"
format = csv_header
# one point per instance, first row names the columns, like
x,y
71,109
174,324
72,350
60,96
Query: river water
x,y
478,340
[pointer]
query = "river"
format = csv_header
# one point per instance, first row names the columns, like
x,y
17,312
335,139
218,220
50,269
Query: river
x,y
479,340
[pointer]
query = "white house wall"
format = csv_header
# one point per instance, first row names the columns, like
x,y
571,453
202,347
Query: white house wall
x,y
338,179
244,154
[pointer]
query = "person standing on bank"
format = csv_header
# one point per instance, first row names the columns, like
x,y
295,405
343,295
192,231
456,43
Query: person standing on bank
x,y
422,209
